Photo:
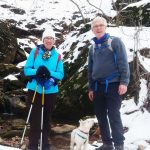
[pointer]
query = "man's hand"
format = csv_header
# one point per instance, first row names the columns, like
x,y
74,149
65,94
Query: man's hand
x,y
122,89
91,95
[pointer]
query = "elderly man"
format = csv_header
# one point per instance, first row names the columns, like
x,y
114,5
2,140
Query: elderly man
x,y
108,76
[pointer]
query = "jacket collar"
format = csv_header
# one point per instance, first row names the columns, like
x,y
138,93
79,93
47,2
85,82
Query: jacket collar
x,y
102,39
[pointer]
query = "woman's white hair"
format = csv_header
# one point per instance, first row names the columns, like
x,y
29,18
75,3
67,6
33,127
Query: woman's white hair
x,y
99,19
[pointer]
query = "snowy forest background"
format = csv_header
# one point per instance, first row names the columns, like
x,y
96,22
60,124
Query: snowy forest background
x,y
21,25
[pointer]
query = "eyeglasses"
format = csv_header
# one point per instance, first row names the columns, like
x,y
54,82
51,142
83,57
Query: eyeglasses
x,y
99,25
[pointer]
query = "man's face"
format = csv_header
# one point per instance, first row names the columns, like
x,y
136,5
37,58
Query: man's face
x,y
99,29
48,42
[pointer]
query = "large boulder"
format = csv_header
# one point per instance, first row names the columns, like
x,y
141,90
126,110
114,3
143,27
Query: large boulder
x,y
133,15
8,44
6,69
72,102
10,52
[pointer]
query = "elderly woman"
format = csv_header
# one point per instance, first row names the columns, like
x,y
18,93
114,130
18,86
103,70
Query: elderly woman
x,y
44,67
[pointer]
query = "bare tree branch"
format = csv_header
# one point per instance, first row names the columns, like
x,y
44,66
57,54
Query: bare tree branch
x,y
98,9
79,11
118,18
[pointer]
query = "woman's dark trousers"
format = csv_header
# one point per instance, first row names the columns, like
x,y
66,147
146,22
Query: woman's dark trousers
x,y
35,119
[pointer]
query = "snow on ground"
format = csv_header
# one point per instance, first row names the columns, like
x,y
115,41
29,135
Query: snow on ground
x,y
8,148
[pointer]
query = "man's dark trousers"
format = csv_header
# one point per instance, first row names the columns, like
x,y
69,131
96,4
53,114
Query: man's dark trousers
x,y
107,110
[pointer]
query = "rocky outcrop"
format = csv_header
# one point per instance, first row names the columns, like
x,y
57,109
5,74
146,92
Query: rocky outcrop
x,y
63,128
6,69
12,96
137,15
8,44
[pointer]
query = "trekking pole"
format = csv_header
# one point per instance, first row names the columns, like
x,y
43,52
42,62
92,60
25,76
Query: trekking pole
x,y
27,121
42,118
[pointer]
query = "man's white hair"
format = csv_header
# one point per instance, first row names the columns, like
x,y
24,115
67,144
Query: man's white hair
x,y
99,19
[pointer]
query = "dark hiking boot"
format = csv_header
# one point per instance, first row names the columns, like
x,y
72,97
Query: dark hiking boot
x,y
119,147
48,147
105,147
32,148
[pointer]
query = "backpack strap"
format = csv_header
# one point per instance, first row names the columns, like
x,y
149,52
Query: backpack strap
x,y
109,41
36,52
108,78
59,57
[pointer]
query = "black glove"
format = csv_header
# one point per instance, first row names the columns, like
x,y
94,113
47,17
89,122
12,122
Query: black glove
x,y
42,74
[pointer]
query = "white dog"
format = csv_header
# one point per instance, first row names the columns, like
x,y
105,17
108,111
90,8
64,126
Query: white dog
x,y
80,135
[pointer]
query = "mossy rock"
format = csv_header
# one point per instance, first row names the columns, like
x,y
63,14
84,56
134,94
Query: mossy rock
x,y
6,69
8,44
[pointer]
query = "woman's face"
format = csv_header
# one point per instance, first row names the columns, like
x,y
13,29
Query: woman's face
x,y
48,42
99,29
